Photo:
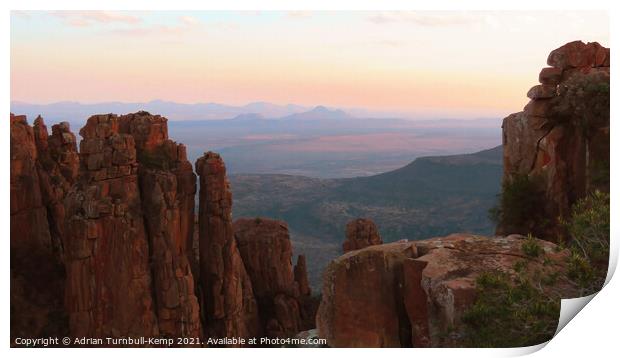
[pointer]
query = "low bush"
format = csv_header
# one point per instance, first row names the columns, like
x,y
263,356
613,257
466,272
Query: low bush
x,y
588,230
510,312
520,205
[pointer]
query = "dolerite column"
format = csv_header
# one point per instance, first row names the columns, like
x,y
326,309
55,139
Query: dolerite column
x,y
108,291
229,305
167,187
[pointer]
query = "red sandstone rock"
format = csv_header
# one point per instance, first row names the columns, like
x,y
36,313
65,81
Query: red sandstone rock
x,y
542,91
29,226
416,302
308,305
266,250
58,168
360,234
109,283
550,76
167,191
36,274
229,305
578,54
359,304
556,150
301,276
406,294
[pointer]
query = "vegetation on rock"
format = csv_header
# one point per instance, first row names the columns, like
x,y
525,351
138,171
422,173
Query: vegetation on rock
x,y
520,205
588,230
511,312
157,158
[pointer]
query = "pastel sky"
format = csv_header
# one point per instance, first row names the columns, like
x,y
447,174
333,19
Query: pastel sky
x,y
459,64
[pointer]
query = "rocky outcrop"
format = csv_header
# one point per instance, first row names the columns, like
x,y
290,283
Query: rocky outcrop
x,y
29,227
167,188
37,275
560,141
129,223
361,233
58,170
109,284
229,305
301,276
410,294
119,219
266,250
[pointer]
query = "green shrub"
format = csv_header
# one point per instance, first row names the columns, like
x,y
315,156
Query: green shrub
x,y
530,247
157,158
588,230
584,100
510,313
520,205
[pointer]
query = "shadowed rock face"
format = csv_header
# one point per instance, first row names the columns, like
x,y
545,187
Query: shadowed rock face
x,y
37,190
557,149
406,294
361,233
58,170
266,251
229,305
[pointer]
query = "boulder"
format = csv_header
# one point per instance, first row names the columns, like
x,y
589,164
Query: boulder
x,y
266,251
577,54
361,233
410,294
542,92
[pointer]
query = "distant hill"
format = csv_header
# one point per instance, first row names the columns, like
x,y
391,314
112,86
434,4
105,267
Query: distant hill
x,y
78,112
319,113
431,196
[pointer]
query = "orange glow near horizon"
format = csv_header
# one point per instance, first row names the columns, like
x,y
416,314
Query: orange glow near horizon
x,y
461,64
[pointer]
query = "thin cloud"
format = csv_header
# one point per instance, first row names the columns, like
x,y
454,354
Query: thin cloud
x,y
88,18
423,19
185,24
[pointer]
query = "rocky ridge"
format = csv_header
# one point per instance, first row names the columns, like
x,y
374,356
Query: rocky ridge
x,y
113,227
553,142
424,293
425,287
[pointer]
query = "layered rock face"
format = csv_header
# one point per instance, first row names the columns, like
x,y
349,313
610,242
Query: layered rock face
x,y
167,188
29,226
560,140
119,219
129,230
266,250
410,294
229,305
109,281
37,187
58,170
361,233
